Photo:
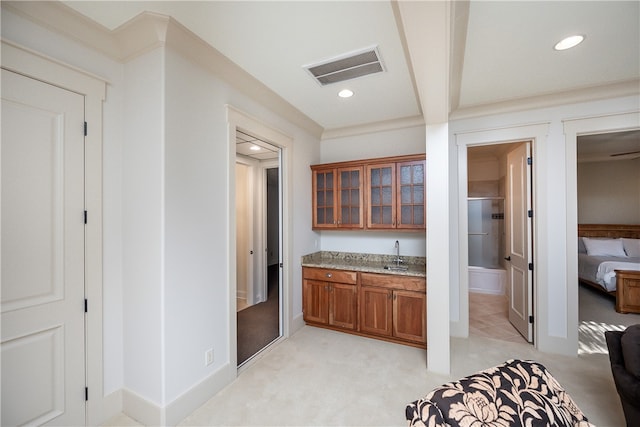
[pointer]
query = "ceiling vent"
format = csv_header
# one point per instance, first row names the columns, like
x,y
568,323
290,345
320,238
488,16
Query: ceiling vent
x,y
346,67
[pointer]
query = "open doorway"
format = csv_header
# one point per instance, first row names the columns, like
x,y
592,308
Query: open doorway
x,y
500,241
608,192
258,245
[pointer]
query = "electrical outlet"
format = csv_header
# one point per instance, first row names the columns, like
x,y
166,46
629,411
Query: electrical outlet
x,y
208,357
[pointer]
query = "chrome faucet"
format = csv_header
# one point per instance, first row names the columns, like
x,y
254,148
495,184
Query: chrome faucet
x,y
398,260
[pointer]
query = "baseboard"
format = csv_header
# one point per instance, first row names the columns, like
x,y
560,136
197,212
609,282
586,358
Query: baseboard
x,y
199,394
110,406
141,410
297,322
150,414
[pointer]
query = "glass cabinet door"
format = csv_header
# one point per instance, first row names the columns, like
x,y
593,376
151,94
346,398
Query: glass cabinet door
x,y
324,199
350,198
381,191
411,194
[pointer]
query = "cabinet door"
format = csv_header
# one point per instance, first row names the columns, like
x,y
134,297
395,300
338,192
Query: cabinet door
x,y
315,301
324,198
375,311
411,194
343,305
381,192
350,198
410,315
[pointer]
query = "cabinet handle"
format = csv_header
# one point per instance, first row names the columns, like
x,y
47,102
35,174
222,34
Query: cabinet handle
x,y
328,274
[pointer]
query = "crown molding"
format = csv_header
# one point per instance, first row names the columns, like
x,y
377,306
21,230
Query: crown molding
x,y
141,34
148,31
64,20
387,125
593,93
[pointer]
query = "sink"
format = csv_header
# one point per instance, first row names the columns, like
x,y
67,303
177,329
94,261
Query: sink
x,y
396,267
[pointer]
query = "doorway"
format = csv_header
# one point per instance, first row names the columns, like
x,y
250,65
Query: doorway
x,y
258,242
499,241
608,178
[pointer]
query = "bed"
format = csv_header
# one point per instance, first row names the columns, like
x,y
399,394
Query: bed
x,y
607,271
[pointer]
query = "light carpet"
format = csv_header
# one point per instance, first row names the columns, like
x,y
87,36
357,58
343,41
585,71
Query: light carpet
x,y
325,378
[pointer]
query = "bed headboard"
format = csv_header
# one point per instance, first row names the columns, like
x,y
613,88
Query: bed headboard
x,y
613,231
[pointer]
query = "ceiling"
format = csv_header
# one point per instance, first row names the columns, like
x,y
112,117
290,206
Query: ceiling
x,y
255,148
502,51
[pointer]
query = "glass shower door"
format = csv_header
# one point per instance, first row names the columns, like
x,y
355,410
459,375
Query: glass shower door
x,y
485,231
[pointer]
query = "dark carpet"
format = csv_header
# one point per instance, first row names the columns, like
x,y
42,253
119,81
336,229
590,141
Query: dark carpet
x,y
259,324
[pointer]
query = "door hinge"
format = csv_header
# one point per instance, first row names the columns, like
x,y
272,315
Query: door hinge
x,y
281,265
85,128
530,319
529,161
86,394
531,266
530,213
85,217
86,304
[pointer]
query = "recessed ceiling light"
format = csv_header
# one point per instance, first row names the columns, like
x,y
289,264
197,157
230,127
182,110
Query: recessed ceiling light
x,y
569,42
345,93
254,148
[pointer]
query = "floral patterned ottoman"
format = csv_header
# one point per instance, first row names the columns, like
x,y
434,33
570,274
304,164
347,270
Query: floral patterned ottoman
x,y
516,393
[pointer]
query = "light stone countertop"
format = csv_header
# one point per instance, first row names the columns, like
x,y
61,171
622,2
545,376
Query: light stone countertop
x,y
370,263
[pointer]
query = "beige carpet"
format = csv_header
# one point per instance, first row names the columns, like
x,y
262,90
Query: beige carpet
x,y
320,377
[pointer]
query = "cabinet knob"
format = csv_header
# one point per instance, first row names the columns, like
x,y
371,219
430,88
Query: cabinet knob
x,y
328,274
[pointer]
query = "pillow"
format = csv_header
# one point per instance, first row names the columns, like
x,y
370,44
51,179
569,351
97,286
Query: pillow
x,y
631,247
604,247
581,248
630,343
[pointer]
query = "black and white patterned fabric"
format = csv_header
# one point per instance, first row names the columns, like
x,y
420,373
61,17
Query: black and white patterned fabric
x,y
516,393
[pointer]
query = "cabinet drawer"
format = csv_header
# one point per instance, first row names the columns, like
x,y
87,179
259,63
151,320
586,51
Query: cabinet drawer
x,y
329,275
393,281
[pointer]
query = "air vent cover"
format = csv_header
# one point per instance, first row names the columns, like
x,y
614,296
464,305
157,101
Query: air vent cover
x,y
346,67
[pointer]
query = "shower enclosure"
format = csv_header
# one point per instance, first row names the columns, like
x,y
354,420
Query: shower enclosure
x,y
486,245
486,231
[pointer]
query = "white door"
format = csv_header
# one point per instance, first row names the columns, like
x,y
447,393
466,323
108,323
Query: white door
x,y
518,233
244,233
42,253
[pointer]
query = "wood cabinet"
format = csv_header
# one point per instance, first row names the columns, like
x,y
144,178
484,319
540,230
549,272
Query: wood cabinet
x,y
385,306
338,197
330,297
381,194
393,306
396,195
410,194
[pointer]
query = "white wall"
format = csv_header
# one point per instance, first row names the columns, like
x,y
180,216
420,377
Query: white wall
x,y
143,202
554,168
374,242
166,184
379,144
395,142
609,192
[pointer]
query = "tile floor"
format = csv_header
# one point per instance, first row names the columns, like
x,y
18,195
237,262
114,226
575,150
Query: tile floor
x,y
489,318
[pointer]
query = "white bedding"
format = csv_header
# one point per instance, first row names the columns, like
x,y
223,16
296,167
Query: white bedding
x,y
606,276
